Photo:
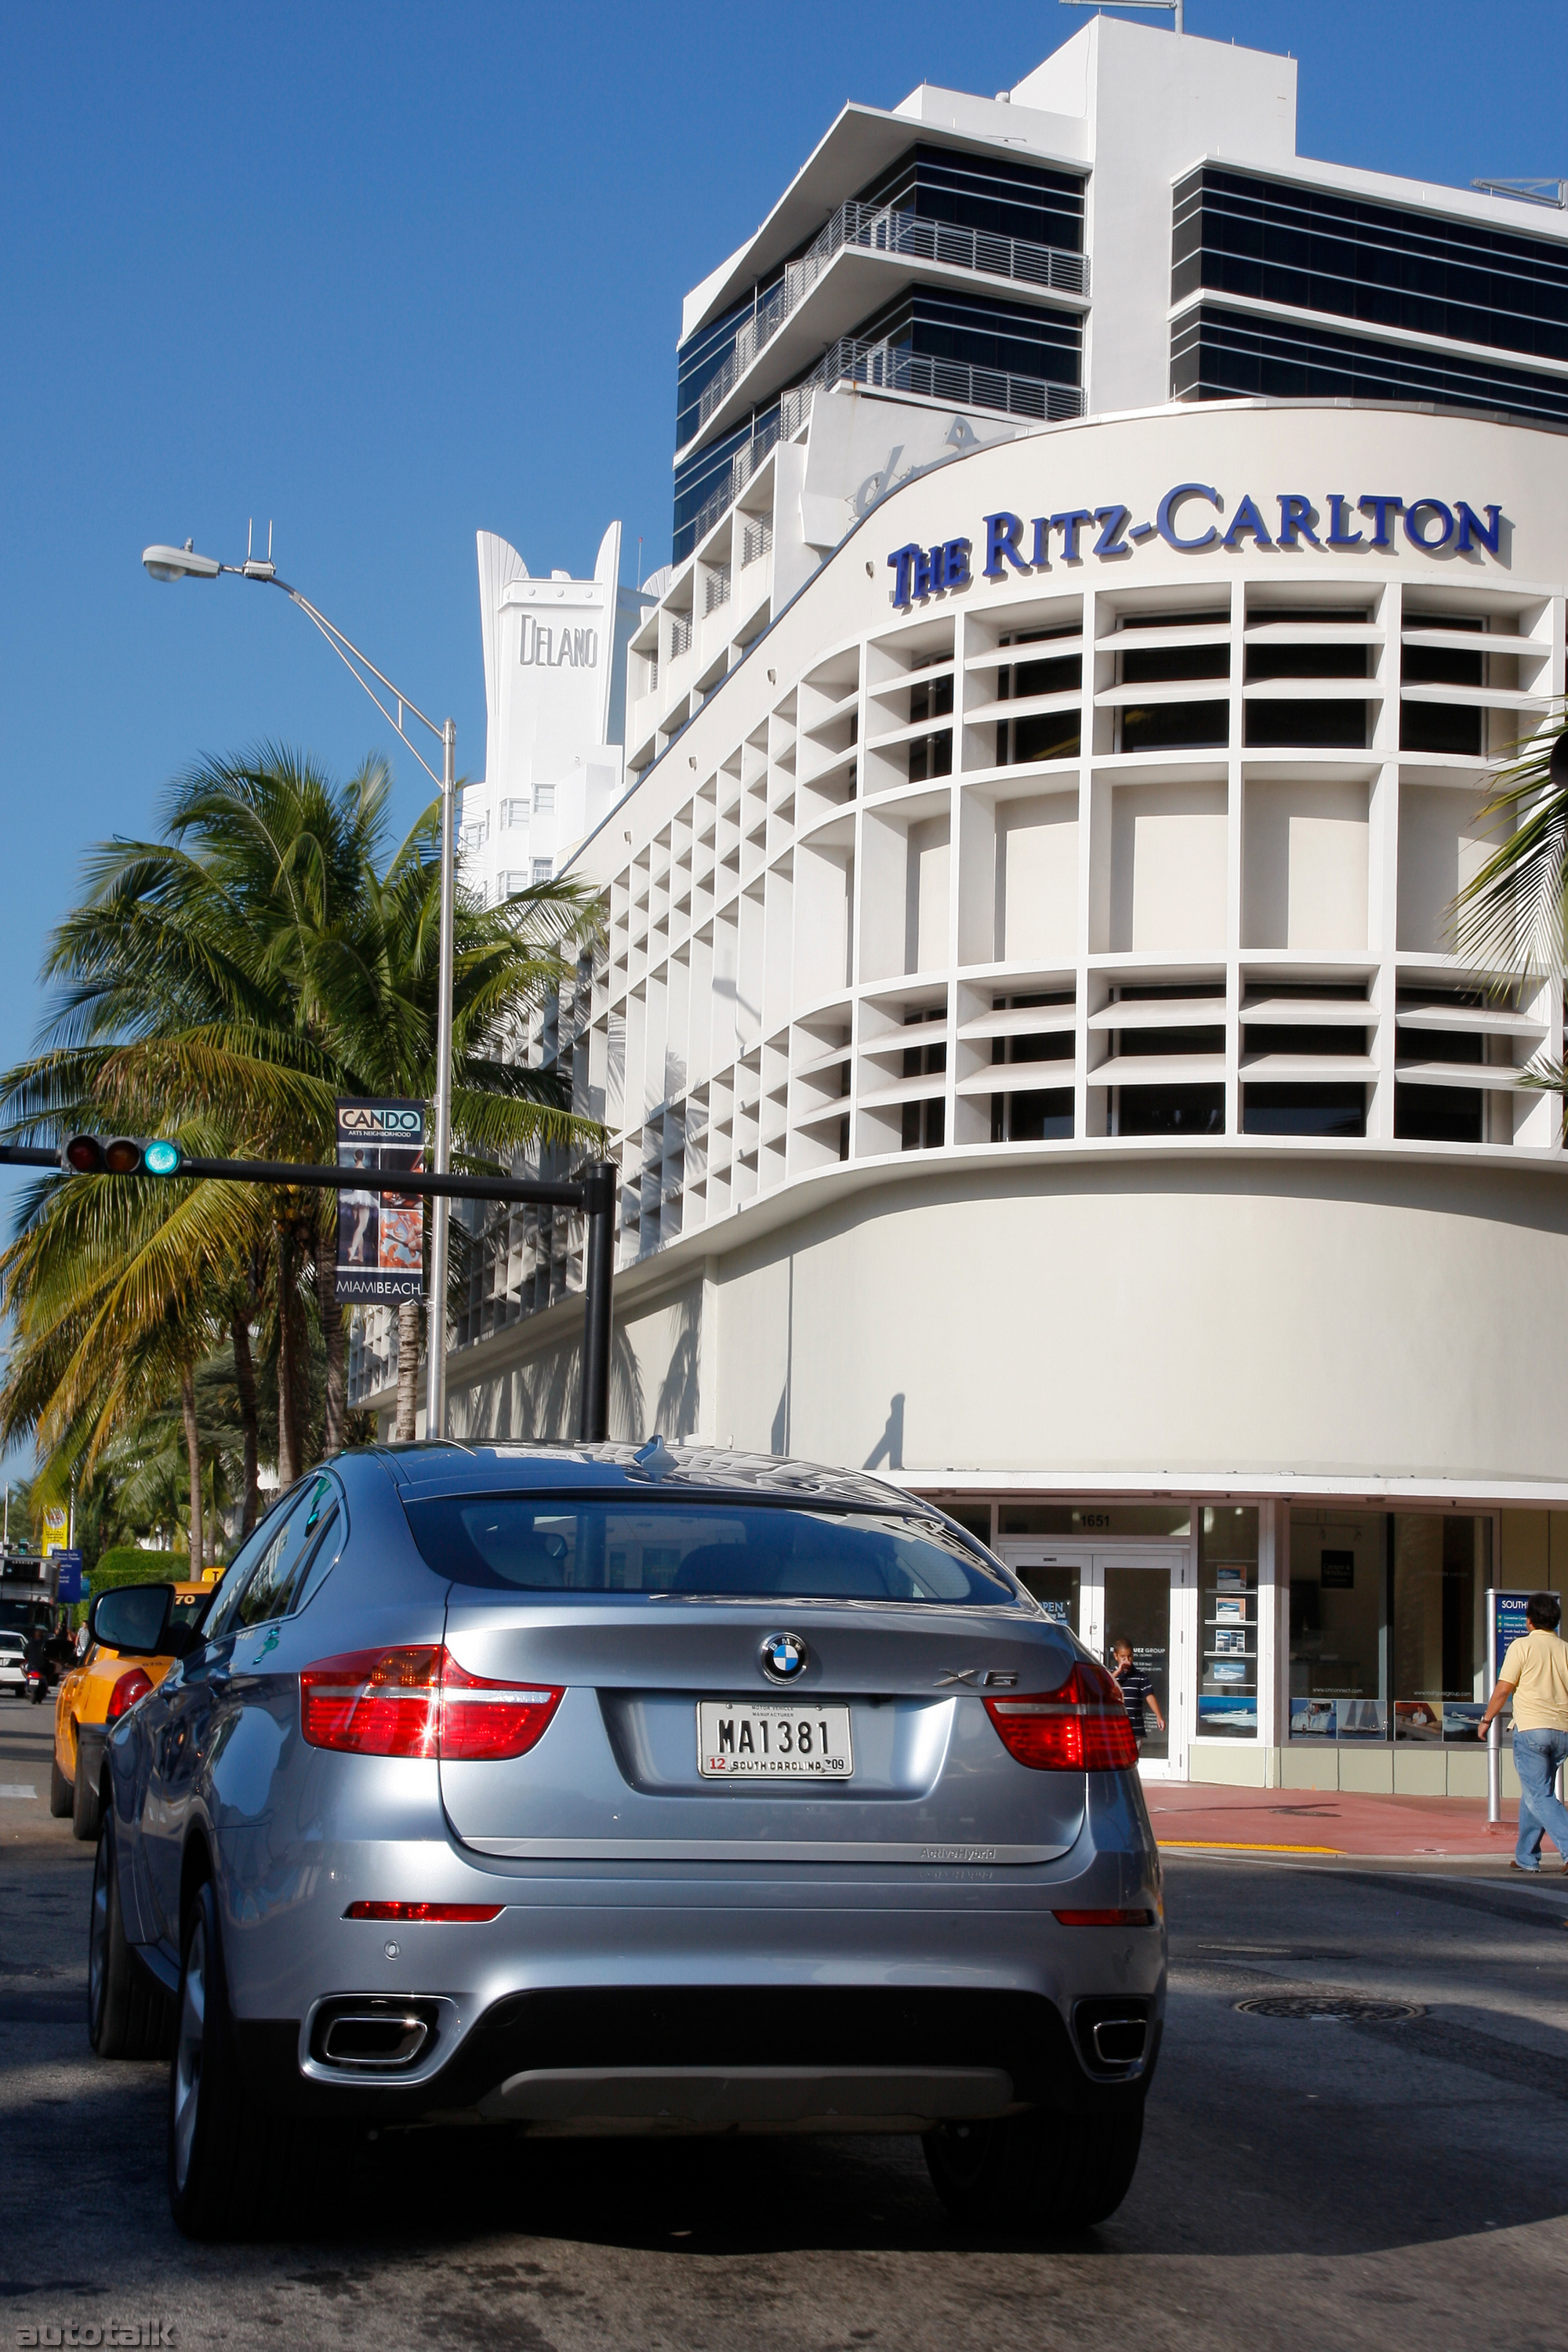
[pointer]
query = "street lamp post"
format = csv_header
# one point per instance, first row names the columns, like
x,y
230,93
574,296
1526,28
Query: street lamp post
x,y
185,563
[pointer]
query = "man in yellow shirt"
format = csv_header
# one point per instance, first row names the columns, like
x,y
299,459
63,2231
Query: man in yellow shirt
x,y
1534,1679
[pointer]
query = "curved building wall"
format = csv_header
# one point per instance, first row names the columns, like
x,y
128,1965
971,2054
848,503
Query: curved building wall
x,y
1038,1065
1049,972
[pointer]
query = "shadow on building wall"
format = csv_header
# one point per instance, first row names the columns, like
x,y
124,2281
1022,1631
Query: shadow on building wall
x,y
889,1446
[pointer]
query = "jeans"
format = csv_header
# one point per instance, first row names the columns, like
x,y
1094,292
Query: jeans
x,y
1536,1756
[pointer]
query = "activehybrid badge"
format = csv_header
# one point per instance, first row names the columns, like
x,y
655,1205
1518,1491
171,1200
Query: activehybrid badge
x,y
783,1657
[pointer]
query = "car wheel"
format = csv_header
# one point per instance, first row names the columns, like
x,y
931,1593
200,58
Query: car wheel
x,y
235,2171
128,2014
59,1791
1041,2172
85,1805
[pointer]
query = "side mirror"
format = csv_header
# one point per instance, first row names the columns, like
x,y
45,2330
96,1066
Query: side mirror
x,y
133,1619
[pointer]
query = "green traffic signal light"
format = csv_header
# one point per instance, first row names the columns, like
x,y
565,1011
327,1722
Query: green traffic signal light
x,y
120,1155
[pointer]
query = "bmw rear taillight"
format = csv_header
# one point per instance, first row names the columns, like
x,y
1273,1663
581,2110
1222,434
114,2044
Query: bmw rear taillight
x,y
419,1702
372,1702
126,1692
484,1719
1081,1726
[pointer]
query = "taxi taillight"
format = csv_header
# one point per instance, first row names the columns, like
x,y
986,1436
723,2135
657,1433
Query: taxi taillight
x,y
126,1692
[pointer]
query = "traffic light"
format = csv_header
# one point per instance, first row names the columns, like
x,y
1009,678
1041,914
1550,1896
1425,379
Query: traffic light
x,y
120,1155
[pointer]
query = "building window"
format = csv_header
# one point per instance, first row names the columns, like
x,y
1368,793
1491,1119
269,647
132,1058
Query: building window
x,y
544,800
1307,249
931,755
982,331
1043,734
1224,355
1267,1109
508,885
1228,1622
1031,1114
474,836
1170,1110
1388,1626
925,1121
542,870
514,811
1439,1114
1173,726
986,192
1317,722
1454,728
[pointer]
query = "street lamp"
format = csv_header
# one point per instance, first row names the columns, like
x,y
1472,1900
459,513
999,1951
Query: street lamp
x,y
185,563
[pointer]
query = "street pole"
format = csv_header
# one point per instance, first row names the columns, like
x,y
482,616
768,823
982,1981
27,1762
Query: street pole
x,y
598,1274
167,563
435,1312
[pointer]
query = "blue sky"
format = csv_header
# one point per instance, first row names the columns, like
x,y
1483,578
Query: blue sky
x,y
388,274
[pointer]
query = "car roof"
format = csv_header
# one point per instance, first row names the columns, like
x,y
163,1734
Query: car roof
x,y
451,1467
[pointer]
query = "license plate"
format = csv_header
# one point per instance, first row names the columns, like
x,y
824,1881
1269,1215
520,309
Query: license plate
x,y
772,1739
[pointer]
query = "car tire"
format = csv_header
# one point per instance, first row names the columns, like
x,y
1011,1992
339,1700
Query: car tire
x,y
59,1791
235,2171
128,2014
1041,2172
86,1807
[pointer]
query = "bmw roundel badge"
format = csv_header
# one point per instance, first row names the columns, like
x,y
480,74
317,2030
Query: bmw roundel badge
x,y
783,1657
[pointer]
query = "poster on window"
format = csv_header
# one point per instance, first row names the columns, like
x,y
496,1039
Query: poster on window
x,y
381,1234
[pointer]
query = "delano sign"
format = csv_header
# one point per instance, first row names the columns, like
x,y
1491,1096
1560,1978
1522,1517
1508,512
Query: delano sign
x,y
381,1235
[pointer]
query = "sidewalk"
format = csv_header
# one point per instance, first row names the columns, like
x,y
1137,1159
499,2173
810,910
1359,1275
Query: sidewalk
x,y
1198,1817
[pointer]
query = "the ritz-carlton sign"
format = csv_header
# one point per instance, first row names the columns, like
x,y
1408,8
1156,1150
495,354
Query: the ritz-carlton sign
x,y
1190,518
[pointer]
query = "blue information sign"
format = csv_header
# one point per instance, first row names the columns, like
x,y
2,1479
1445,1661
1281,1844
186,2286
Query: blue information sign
x,y
1509,1625
70,1566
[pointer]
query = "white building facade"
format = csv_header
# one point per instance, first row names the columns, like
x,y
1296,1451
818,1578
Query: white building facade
x,y
1029,1030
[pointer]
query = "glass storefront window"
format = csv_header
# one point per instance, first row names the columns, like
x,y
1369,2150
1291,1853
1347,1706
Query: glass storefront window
x,y
1387,1624
1097,1522
1442,1567
1056,1590
1228,1622
1339,1646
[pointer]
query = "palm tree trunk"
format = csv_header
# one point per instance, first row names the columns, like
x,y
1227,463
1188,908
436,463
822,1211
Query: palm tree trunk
x,y
333,1337
289,1451
194,1454
245,1383
407,1367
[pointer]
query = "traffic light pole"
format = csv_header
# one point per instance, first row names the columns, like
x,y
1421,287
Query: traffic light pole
x,y
594,1193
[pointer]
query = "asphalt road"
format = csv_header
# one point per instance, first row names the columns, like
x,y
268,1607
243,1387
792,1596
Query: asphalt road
x,y
1386,2184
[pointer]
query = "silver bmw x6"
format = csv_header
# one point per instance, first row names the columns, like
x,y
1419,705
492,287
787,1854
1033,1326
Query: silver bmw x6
x,y
586,1791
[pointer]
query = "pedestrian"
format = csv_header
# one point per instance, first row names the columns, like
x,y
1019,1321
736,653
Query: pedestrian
x,y
1534,1679
1137,1690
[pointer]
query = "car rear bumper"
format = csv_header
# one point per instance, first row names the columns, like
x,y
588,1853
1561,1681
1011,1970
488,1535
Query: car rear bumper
x,y
725,2058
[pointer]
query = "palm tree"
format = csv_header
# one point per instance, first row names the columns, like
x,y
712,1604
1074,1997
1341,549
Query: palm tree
x,y
265,959
1512,916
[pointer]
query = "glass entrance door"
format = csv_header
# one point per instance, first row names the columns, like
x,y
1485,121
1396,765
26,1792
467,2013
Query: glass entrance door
x,y
1137,1595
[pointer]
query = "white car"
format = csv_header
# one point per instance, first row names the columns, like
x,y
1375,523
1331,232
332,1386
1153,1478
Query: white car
x,y
13,1664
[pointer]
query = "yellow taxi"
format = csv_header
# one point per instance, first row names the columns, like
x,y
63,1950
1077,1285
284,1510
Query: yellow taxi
x,y
91,1698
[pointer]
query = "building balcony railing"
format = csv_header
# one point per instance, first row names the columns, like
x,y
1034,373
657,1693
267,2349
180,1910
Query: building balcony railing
x,y
893,367
888,367
880,229
743,466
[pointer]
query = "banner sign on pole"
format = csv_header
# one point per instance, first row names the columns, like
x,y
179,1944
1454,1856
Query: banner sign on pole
x,y
381,1235
56,1521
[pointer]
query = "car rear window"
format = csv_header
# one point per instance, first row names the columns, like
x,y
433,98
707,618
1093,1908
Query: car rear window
x,y
514,1543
